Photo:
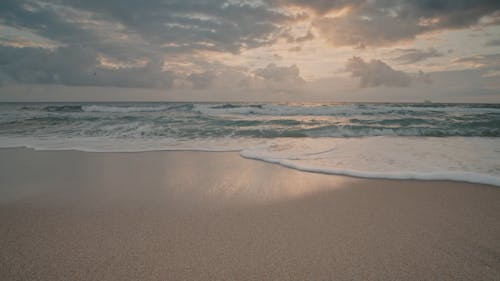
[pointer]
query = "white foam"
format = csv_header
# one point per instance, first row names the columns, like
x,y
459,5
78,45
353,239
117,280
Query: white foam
x,y
340,110
471,159
276,110
107,144
121,109
474,160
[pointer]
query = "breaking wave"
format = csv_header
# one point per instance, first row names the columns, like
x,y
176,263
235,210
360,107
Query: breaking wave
x,y
397,141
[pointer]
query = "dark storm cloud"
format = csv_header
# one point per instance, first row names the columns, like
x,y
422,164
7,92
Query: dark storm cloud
x,y
408,56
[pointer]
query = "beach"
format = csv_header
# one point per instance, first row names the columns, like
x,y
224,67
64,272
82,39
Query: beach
x,y
181,215
249,140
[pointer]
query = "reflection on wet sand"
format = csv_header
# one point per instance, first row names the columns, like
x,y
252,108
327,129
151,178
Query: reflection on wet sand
x,y
216,216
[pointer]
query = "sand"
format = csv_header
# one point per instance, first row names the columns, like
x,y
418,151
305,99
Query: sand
x,y
71,215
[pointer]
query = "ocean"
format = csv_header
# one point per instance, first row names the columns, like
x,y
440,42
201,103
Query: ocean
x,y
428,141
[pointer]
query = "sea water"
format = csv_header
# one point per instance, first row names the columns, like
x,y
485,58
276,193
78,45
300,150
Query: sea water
x,y
398,141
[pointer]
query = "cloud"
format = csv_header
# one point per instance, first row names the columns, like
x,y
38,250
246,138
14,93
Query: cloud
x,y
408,56
118,37
376,73
218,25
424,77
128,43
382,23
87,48
364,31
493,43
492,73
75,66
307,37
319,6
280,74
480,61
202,80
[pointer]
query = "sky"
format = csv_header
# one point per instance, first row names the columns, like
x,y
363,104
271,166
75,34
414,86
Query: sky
x,y
244,50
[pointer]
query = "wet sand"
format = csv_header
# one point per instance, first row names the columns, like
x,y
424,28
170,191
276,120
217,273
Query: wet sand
x,y
70,215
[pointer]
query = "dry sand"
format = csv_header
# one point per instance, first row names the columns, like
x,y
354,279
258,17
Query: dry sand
x,y
216,216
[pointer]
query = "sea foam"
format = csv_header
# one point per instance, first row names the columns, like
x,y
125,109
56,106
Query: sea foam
x,y
475,160
397,141
472,159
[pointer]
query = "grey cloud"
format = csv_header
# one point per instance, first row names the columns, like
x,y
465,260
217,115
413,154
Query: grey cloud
x,y
68,26
457,13
424,77
377,73
202,80
480,61
226,26
408,56
281,74
84,36
129,30
493,43
307,37
453,14
74,66
320,6
363,31
385,22
37,65
192,25
360,46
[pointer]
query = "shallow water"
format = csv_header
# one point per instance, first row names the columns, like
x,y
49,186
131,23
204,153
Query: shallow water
x,y
419,141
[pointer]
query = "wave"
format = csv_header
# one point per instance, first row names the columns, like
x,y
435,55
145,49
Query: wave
x,y
417,112
63,108
475,160
105,108
140,126
122,109
448,142
342,110
273,110
230,105
407,131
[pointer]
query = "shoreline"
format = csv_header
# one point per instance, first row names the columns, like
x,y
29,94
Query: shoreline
x,y
70,215
239,152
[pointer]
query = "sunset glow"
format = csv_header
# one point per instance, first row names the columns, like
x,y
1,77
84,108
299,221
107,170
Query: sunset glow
x,y
187,49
